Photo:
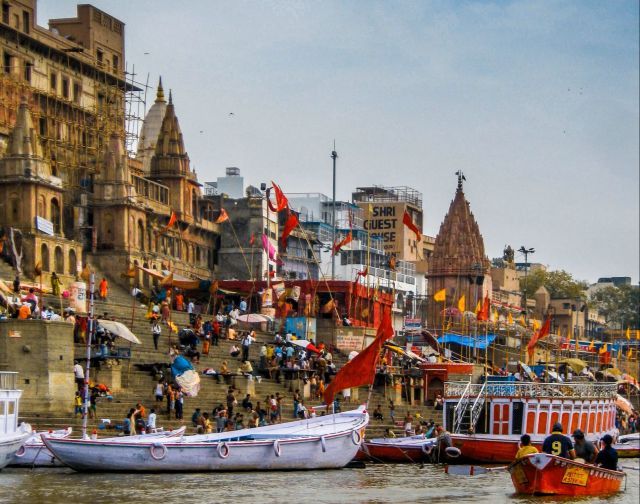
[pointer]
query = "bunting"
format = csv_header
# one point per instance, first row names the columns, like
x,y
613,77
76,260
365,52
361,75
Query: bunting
x,y
407,221
289,226
441,295
222,217
544,331
338,246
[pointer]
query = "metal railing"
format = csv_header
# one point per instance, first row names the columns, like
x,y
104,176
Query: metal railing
x,y
8,380
532,389
461,408
476,408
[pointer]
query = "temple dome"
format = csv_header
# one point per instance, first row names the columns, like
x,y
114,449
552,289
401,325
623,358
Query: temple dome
x,y
151,129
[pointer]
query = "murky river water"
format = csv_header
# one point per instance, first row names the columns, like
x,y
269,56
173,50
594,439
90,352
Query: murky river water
x,y
376,483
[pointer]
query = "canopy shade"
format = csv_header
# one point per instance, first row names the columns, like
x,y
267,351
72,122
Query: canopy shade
x,y
576,364
119,329
481,341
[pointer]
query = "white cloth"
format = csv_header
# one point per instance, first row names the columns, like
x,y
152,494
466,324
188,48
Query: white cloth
x,y
151,421
78,371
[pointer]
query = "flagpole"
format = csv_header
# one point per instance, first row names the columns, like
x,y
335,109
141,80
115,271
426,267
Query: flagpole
x,y
85,390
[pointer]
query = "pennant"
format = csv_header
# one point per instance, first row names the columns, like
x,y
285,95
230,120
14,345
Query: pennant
x,y
441,295
536,324
544,331
629,353
495,316
172,326
289,226
577,345
173,218
521,320
510,319
638,334
362,368
484,312
478,308
462,304
591,346
407,221
628,333
338,246
252,240
222,216
603,349
281,200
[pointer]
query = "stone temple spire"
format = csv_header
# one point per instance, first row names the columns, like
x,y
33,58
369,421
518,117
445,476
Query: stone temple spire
x,y
151,129
170,155
160,92
23,140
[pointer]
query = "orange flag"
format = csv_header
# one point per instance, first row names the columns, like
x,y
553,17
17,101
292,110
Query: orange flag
x,y
338,246
361,370
281,200
484,312
546,327
172,220
222,217
290,225
407,221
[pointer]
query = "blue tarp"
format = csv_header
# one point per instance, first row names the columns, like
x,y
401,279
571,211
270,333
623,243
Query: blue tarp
x,y
180,365
481,341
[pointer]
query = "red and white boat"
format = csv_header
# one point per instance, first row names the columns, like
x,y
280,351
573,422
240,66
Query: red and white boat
x,y
544,474
397,450
487,420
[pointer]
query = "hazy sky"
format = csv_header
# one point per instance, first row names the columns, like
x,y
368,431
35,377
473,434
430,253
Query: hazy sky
x,y
536,101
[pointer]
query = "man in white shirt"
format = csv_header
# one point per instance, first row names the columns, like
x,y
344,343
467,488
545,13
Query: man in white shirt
x,y
246,343
243,306
151,420
79,375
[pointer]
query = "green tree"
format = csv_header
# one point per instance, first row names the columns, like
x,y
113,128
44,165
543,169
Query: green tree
x,y
619,305
560,284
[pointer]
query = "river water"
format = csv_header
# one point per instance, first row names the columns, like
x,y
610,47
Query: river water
x,y
375,483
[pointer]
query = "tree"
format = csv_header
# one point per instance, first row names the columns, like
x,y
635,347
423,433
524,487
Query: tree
x,y
619,305
560,284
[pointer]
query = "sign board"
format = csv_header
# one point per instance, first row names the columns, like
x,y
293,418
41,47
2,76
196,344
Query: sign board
x,y
348,342
412,324
44,225
15,334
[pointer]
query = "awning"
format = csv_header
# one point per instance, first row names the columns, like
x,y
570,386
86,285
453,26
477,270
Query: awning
x,y
480,341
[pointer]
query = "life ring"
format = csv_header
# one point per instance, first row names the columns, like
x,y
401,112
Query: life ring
x,y
223,450
453,452
21,451
276,448
356,438
323,443
161,455
426,449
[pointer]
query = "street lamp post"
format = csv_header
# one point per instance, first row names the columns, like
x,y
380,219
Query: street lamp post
x,y
334,156
526,251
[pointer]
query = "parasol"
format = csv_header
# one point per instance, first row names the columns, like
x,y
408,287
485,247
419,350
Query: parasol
x,y
119,329
253,318
307,345
576,364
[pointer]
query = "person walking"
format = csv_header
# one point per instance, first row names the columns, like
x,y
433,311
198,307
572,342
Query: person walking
x,y
156,330
246,343
104,289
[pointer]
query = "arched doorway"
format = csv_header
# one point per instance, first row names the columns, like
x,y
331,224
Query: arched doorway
x,y
140,235
59,261
55,215
73,262
44,257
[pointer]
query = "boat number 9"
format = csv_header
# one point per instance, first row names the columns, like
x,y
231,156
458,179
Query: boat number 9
x,y
556,448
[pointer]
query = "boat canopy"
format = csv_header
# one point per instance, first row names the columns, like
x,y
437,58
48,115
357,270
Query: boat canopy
x,y
480,341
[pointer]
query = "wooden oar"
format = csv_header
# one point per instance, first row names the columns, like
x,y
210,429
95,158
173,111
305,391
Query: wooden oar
x,y
630,467
470,470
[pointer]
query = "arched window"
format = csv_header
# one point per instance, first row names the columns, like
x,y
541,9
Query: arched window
x,y
42,206
151,241
194,204
140,234
55,215
108,228
73,262
44,257
198,256
59,261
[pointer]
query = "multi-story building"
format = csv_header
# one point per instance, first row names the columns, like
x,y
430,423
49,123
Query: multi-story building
x,y
68,172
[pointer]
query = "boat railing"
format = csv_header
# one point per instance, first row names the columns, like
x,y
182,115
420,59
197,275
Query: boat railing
x,y
8,380
476,408
463,390
461,408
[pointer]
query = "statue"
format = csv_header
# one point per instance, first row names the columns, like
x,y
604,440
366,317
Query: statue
x,y
508,254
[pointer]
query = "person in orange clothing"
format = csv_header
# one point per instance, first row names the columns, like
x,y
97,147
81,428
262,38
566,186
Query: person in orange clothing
x,y
179,301
104,289
24,312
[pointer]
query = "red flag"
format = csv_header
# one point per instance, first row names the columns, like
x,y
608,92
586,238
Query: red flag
x,y
364,272
484,312
252,240
290,225
361,370
406,220
544,331
172,220
223,216
281,200
338,246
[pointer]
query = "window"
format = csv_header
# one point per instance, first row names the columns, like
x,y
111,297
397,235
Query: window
x,y
77,91
26,24
99,57
53,82
7,60
16,21
55,215
65,88
28,66
44,257
116,63
566,306
5,12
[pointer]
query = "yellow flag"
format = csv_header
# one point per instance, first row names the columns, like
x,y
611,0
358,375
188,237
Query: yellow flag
x,y
510,319
462,305
441,295
638,334
592,345
478,308
603,349
628,333
629,353
494,315
521,321
536,324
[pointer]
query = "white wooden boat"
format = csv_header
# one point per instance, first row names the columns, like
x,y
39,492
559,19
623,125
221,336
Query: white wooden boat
x,y
324,442
35,454
12,435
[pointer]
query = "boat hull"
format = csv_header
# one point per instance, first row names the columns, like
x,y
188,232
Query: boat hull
x,y
9,445
295,447
396,450
543,474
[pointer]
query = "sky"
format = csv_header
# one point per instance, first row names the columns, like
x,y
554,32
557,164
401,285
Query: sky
x,y
536,101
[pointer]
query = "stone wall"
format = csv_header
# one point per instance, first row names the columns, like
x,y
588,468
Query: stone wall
x,y
41,352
